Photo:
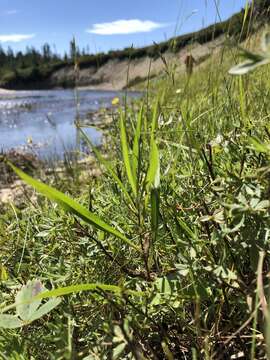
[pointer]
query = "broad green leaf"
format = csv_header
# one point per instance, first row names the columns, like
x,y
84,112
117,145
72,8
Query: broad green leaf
x,y
88,287
72,206
107,166
259,146
45,308
118,350
171,286
125,153
167,285
262,205
25,307
10,322
166,350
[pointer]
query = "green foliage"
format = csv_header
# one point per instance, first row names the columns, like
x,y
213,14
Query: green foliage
x,y
28,309
71,206
186,181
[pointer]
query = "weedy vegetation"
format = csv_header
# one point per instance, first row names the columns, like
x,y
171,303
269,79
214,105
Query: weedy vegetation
x,y
166,255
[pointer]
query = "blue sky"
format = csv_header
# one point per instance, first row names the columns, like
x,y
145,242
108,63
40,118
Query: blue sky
x,y
104,24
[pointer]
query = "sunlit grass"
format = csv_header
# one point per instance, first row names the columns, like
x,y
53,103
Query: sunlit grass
x,y
174,258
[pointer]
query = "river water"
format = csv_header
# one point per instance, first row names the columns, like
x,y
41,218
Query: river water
x,y
43,121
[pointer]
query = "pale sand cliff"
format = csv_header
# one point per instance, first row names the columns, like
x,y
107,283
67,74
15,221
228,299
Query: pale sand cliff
x,y
113,74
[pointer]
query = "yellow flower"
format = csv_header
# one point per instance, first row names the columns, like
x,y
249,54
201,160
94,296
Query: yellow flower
x,y
29,140
115,101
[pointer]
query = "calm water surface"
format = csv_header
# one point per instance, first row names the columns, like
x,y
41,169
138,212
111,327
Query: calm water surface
x,y
47,118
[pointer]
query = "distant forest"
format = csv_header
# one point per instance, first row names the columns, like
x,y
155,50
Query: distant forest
x,y
33,57
35,66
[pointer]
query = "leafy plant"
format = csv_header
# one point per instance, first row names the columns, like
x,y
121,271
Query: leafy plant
x,y
28,307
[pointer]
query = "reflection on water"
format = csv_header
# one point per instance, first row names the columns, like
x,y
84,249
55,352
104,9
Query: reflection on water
x,y
45,119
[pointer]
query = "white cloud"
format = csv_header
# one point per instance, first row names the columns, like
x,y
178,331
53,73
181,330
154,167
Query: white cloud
x,y
125,27
11,12
16,37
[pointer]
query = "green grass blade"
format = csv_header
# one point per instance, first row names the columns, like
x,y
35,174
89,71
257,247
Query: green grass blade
x,y
72,206
136,145
125,152
152,185
154,120
88,287
247,7
107,166
186,229
153,174
61,291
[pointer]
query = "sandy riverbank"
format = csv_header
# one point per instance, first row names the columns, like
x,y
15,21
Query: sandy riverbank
x,y
6,92
15,191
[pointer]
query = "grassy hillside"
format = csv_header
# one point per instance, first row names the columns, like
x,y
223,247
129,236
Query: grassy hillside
x,y
166,255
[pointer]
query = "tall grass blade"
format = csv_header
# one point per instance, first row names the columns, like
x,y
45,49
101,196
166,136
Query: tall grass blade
x,y
72,206
125,153
153,174
89,287
153,182
136,146
154,120
247,7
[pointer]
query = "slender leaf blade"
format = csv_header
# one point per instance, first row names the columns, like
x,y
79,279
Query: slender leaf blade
x,y
88,287
246,12
45,308
153,175
125,152
154,120
72,206
136,145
